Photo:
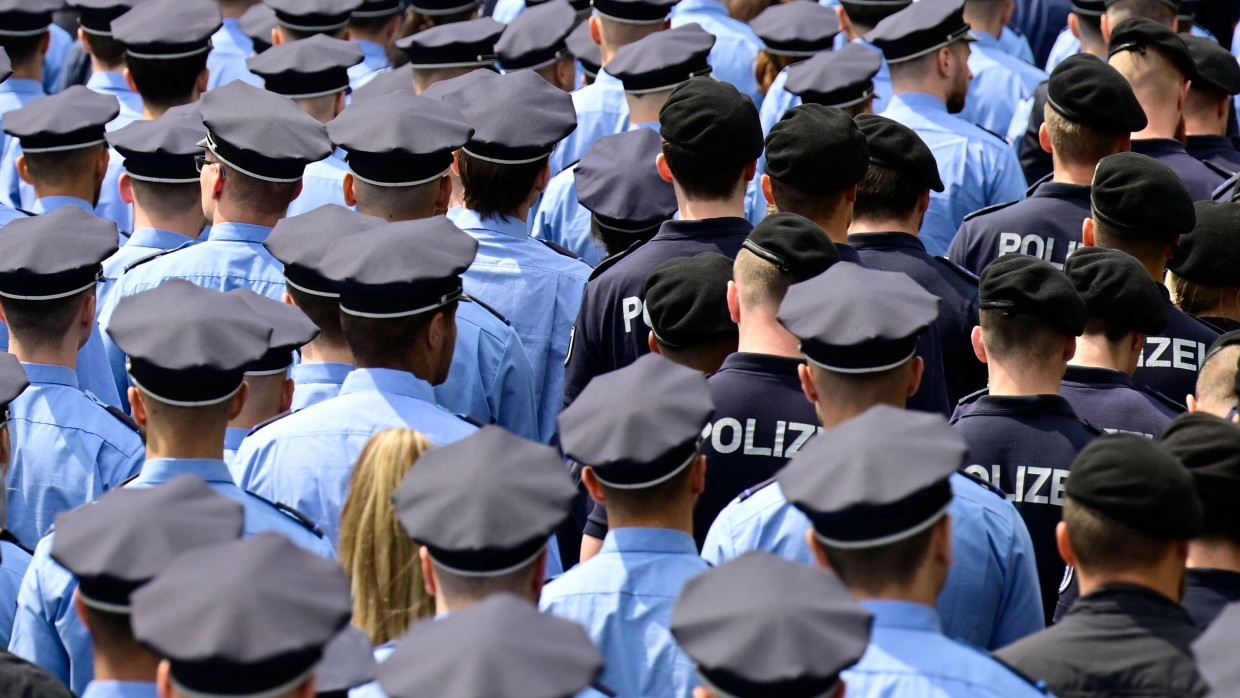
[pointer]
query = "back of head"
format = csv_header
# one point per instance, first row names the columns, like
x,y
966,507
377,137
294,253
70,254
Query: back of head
x,y
1091,110
783,249
1157,10
864,16
1154,60
1139,205
814,154
1029,310
711,133
1209,447
1215,391
902,170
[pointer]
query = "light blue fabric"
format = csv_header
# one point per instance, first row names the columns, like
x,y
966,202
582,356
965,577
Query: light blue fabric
x,y
991,598
14,93
777,101
233,436
120,689
9,214
67,450
1015,44
623,597
374,59
13,564
58,48
1065,45
321,184
306,458
109,206
110,83
538,289
736,46
601,111
909,656
48,204
229,49
47,630
1000,81
978,169
562,219
507,10
93,372
316,382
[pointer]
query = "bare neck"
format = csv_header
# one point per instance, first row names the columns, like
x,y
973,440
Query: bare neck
x,y
63,354
760,333
177,441
1095,350
884,225
1020,379
701,210
1072,173
1165,579
189,225
319,352
130,663
1215,554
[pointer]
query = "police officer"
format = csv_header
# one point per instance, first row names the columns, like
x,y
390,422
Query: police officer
x,y
1124,306
1129,509
256,23
977,168
1090,113
686,305
857,19
67,445
188,350
398,286
106,60
14,559
858,331
313,72
300,20
373,26
447,658
1201,273
1157,63
1215,391
168,50
586,52
1022,435
115,546
711,142
502,168
25,38
537,41
1208,105
1141,207
868,509
446,51
261,639
1207,446
736,46
845,78
791,33
637,432
1081,34
233,42
648,70
892,199
999,80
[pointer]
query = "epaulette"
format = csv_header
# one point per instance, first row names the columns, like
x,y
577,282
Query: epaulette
x,y
130,479
1098,431
751,491
561,249
469,420
972,396
607,692
612,260
1218,169
301,519
493,311
28,213
1002,139
114,411
7,535
125,234
267,422
1164,399
989,209
149,257
960,271
983,483
1039,686
1228,188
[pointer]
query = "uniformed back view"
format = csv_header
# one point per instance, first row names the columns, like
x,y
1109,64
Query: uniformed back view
x,y
1206,109
1215,391
1203,272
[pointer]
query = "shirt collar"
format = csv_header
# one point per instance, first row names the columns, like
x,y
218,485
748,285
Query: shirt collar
x,y
47,204
1097,375
762,363
985,39
160,470
513,227
606,78
1030,405
239,232
157,238
709,7
370,49
233,436
321,372
708,227
872,241
24,86
51,374
387,380
648,540
1146,146
120,689
107,81
908,615
918,101
1049,189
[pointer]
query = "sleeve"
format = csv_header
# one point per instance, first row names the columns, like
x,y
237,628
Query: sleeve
x,y
1035,162
582,362
115,357
34,635
1007,181
10,183
719,546
511,393
1020,607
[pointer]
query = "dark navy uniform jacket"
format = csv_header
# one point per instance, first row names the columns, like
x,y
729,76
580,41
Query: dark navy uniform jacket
x,y
611,331
1207,592
1219,324
1040,21
1025,445
1200,179
1108,399
957,291
1218,151
1169,363
1045,225
1035,162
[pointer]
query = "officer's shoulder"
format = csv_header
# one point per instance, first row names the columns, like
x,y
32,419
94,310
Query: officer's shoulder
x,y
484,306
957,269
560,249
982,483
8,537
972,397
1091,427
751,491
291,514
149,258
268,422
614,259
990,209
1217,169
115,411
1163,399
471,421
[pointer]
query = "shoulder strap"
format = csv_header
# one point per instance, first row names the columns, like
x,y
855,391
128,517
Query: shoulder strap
x,y
960,271
266,422
149,257
559,248
1164,399
301,519
988,209
612,260
7,535
471,299
982,483
751,491
114,411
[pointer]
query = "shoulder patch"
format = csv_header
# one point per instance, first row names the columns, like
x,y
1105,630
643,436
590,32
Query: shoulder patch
x,y
267,422
470,299
7,535
1164,399
960,271
751,491
612,260
989,209
300,518
560,248
149,257
115,411
994,489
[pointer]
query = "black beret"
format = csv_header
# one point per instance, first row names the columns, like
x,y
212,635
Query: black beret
x,y
1139,196
687,300
1139,483
816,149
1217,68
1138,33
1088,91
898,147
1018,284
712,117
1209,447
1209,253
796,245
842,78
1118,289
796,29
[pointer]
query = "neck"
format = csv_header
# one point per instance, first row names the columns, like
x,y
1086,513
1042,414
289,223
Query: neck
x,y
856,31
701,210
1072,173
1214,554
989,23
920,590
1094,48
130,663
80,188
1204,125
418,365
31,70
98,66
883,225
319,352
900,87
678,518
202,441
836,224
839,409
1163,123
65,354
1169,582
760,333
190,225
1229,308
225,213
154,111
1021,380
1095,350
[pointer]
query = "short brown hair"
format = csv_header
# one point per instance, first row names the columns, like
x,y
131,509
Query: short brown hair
x,y
700,176
163,200
1020,337
323,311
759,281
1194,298
645,502
259,195
812,205
387,341
43,323
886,192
1102,544
166,83
57,166
1078,144
883,566
493,189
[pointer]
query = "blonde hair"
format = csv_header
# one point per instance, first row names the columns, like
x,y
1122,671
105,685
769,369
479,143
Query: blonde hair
x,y
378,557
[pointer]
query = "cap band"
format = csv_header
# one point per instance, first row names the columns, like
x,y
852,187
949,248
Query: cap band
x,y
303,289
443,300
400,184
268,693
650,483
53,296
488,573
500,161
436,12
180,403
312,27
882,540
59,148
25,32
960,34
480,62
103,605
210,144
860,370
168,56
720,693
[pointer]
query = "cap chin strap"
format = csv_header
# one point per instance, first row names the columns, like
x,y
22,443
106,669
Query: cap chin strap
x,y
269,693
883,540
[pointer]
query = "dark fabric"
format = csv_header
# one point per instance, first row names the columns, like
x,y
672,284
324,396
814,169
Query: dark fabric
x,y
1035,162
21,679
1046,225
1216,150
1108,399
1200,180
1169,363
1117,641
1207,592
1041,21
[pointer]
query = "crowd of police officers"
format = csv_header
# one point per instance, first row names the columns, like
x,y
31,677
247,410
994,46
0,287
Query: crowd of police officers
x,y
857,347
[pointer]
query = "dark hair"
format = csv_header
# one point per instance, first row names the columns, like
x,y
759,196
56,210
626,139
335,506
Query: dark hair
x,y
259,195
291,35
323,311
700,176
43,323
867,16
812,205
387,341
21,48
1142,245
887,192
493,189
649,501
166,83
1102,544
113,630
616,242
1112,331
164,200
881,567
53,167
1020,336
105,49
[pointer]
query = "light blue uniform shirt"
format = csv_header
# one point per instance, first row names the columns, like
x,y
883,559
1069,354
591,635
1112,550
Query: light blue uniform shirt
x,y
13,564
909,656
623,597
1065,45
111,83
120,689
374,59
233,436
15,93
538,289
226,61
47,204
316,382
67,450
93,373
736,46
306,458
1000,81
777,101
1015,44
978,169
562,219
991,598
47,630
141,244
507,10
58,47
601,111
9,214
321,184
20,194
